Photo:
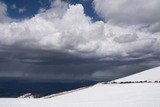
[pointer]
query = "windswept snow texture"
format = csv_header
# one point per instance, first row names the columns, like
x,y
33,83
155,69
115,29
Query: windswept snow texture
x,y
103,95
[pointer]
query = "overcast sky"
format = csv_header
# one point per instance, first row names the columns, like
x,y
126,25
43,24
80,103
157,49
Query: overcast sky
x,y
71,40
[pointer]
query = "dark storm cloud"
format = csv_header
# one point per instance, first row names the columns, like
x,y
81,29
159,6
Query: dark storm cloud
x,y
44,66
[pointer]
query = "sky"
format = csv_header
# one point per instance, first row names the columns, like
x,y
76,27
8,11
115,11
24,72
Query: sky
x,y
76,40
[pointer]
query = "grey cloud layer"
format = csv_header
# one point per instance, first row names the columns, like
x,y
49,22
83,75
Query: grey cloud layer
x,y
63,41
137,12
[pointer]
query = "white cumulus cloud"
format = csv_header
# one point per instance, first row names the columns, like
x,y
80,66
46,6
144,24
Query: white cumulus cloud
x,y
135,12
65,28
3,12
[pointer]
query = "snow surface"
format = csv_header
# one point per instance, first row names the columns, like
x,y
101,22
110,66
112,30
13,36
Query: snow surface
x,y
28,95
102,95
149,75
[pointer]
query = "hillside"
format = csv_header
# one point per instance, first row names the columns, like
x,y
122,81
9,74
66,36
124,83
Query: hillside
x,y
150,75
103,95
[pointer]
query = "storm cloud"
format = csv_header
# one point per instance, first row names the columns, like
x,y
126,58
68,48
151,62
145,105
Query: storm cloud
x,y
63,43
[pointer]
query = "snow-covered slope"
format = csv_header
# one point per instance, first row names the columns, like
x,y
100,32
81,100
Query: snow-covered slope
x,y
28,95
150,75
102,95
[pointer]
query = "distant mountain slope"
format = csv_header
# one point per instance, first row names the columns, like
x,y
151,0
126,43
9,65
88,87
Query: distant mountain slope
x,y
150,75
